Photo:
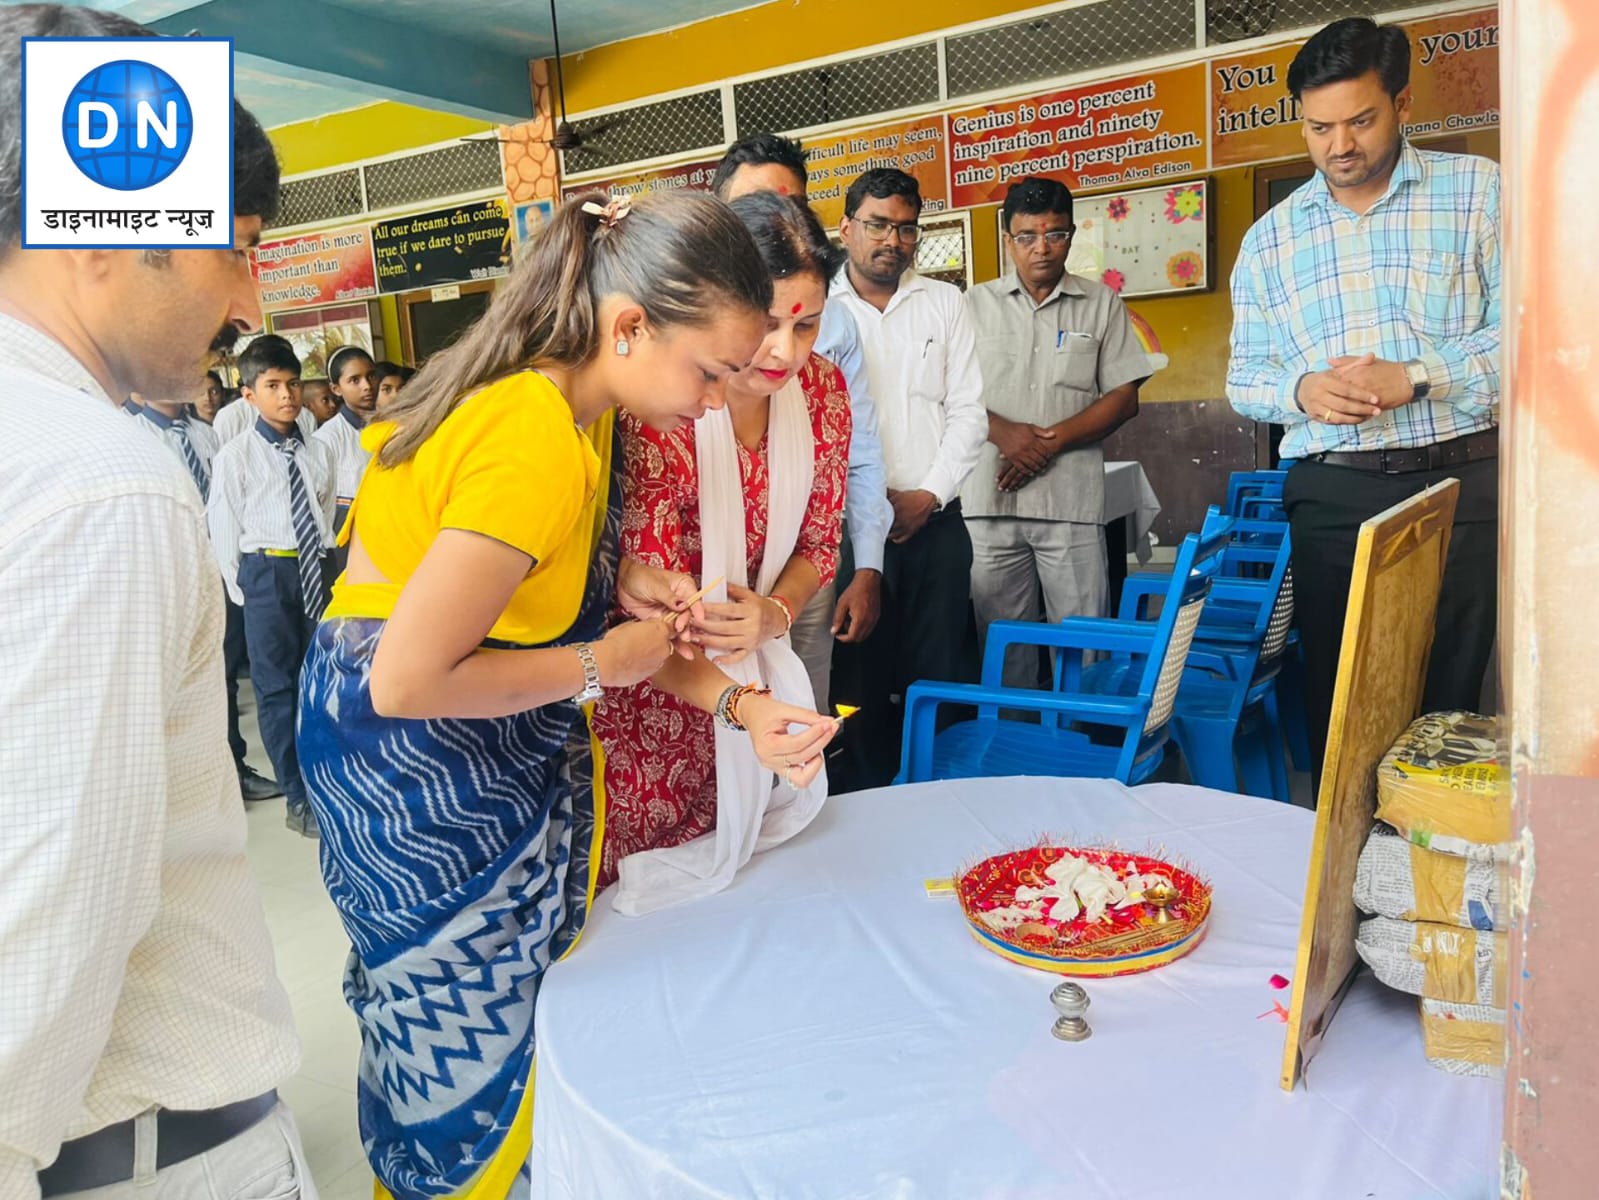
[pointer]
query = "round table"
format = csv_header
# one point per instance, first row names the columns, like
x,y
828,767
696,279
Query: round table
x,y
823,1028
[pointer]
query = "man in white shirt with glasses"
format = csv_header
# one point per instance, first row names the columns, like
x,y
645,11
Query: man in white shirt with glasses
x,y
922,362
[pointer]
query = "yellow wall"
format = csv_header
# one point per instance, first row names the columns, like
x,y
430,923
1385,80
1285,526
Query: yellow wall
x,y
766,38
1193,329
370,132
362,133
390,308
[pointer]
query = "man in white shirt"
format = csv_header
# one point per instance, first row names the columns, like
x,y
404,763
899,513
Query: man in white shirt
x,y
143,1031
922,362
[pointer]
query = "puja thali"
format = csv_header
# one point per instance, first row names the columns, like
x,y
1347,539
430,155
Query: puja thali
x,y
1091,911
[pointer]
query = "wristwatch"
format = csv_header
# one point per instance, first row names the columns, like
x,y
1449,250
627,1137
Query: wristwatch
x,y
1420,383
591,675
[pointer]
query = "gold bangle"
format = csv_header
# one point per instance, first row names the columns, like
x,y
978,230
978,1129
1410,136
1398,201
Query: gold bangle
x,y
788,613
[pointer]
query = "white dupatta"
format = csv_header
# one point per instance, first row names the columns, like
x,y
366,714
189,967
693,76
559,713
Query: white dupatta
x,y
755,808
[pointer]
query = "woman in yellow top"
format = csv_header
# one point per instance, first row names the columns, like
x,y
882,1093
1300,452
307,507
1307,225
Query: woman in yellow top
x,y
440,730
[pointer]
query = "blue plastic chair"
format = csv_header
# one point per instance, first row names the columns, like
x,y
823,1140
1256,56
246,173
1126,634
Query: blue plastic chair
x,y
1130,731
1226,720
1258,495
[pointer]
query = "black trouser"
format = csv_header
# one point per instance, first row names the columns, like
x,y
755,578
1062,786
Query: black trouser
x,y
279,634
1326,505
234,655
341,554
925,633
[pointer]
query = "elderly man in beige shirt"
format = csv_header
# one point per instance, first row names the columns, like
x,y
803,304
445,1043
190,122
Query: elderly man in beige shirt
x,y
1061,369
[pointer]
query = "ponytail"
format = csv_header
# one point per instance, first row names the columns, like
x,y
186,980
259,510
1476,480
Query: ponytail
x,y
682,257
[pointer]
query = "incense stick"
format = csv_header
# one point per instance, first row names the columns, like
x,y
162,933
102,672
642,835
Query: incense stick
x,y
704,592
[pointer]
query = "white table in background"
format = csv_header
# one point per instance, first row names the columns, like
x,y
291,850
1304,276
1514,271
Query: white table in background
x,y
1130,498
1131,507
823,1029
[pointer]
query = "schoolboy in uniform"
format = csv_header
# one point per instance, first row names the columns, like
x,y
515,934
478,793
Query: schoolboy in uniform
x,y
235,419
271,519
194,444
387,378
317,398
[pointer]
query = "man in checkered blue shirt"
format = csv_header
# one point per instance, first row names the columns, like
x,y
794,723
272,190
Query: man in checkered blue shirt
x,y
1366,322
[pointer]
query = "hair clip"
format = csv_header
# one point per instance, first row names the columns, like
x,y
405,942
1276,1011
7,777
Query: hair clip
x,y
611,212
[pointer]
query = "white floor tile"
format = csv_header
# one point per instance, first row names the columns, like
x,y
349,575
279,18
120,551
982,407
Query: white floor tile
x,y
354,1184
311,949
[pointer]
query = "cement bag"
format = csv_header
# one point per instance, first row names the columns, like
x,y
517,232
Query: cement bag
x,y
1440,962
1444,785
1399,879
1463,1039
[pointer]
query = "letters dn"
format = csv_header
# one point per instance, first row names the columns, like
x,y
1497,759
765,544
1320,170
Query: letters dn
x,y
127,142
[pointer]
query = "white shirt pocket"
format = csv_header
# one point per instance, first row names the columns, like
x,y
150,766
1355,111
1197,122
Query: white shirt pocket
x,y
927,373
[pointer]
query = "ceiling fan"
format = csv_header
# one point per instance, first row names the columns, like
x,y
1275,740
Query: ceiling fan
x,y
567,137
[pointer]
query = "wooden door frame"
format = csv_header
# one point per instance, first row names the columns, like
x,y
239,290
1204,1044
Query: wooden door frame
x,y
404,301
1265,443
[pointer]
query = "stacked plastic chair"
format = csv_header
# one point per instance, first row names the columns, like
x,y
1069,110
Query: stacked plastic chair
x,y
1259,494
1079,733
1226,720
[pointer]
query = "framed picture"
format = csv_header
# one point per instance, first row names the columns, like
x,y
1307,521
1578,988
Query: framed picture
x,y
529,218
1147,241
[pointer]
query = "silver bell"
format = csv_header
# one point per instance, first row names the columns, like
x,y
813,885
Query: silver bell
x,y
1071,1001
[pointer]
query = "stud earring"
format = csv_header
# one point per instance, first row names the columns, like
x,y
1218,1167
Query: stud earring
x,y
622,347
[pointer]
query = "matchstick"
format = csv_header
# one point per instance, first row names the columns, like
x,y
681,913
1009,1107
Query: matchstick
x,y
704,592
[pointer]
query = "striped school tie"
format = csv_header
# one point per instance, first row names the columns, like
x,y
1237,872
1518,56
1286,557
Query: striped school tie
x,y
306,534
197,471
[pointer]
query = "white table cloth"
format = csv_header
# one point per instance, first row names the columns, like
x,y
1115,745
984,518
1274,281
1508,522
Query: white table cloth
x,y
825,1029
1128,495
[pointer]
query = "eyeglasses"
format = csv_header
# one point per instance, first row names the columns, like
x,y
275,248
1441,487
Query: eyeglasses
x,y
1052,239
910,233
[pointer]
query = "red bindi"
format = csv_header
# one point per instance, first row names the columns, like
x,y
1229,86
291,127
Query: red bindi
x,y
795,311
782,191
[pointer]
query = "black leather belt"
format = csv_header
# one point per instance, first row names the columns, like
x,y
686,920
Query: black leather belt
x,y
105,1157
1470,448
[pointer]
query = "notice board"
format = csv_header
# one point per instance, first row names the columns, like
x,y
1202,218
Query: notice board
x,y
447,245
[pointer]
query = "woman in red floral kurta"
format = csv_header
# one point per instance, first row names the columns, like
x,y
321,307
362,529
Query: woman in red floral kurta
x,y
660,753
